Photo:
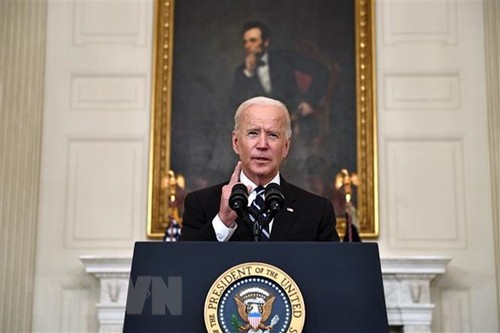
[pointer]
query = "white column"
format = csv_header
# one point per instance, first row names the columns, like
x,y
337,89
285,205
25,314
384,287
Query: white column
x,y
22,54
492,27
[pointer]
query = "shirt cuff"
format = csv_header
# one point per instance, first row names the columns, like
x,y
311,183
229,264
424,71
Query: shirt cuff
x,y
222,232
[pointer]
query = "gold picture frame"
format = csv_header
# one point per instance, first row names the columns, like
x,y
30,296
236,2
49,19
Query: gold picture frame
x,y
162,180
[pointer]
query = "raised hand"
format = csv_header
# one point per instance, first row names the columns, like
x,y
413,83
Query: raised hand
x,y
226,214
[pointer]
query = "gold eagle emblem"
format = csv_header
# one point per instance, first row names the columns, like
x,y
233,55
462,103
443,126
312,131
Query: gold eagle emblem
x,y
255,306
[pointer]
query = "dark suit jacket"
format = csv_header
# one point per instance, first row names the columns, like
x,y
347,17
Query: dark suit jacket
x,y
304,217
284,87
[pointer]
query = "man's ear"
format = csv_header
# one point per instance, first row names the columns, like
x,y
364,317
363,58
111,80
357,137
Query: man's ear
x,y
234,139
287,147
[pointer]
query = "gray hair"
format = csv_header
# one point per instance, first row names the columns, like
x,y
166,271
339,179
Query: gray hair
x,y
261,100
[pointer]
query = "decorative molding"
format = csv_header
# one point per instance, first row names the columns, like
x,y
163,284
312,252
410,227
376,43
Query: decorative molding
x,y
400,25
406,283
456,311
90,187
437,184
422,91
74,300
434,265
108,92
93,23
102,266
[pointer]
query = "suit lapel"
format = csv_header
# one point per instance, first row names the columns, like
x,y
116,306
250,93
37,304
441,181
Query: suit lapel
x,y
284,220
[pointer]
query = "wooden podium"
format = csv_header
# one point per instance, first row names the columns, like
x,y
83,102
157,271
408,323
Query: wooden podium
x,y
340,283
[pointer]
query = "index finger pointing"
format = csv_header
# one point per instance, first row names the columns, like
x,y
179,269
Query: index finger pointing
x,y
235,177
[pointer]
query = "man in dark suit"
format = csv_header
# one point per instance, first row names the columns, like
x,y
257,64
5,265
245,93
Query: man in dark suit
x,y
298,81
261,138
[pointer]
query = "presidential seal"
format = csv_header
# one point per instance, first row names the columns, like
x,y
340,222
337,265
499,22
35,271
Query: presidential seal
x,y
255,298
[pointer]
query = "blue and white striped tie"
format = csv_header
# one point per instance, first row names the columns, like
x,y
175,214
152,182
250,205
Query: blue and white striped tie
x,y
257,210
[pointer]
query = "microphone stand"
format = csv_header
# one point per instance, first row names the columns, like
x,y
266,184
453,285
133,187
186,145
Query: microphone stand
x,y
256,227
244,215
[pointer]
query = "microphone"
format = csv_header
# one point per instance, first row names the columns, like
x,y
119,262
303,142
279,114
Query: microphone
x,y
238,201
274,199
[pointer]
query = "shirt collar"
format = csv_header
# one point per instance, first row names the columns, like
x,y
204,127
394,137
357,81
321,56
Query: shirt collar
x,y
264,57
246,181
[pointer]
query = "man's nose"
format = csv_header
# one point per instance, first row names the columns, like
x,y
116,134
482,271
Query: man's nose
x,y
262,141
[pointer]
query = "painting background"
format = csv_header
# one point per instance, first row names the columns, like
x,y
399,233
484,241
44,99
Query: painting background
x,y
208,48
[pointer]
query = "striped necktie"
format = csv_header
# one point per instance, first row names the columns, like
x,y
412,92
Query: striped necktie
x,y
257,210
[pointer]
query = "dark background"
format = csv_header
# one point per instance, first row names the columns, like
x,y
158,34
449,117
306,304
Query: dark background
x,y
208,48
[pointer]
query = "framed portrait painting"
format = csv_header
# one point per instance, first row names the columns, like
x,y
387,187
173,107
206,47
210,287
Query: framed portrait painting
x,y
318,52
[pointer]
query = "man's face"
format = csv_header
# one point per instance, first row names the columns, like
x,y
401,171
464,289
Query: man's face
x,y
253,43
261,142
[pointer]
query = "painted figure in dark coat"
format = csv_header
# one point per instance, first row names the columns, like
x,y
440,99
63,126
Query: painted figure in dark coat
x,y
296,80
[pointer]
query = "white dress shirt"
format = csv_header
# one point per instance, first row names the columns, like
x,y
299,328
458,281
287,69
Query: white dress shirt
x,y
262,73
